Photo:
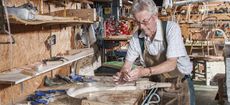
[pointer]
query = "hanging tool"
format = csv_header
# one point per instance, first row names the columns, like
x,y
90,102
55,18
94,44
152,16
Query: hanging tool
x,y
51,40
80,78
51,82
54,59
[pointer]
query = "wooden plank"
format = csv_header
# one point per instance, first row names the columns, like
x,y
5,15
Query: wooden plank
x,y
84,1
197,17
88,102
114,98
107,85
101,0
16,77
13,77
81,14
206,58
58,2
51,20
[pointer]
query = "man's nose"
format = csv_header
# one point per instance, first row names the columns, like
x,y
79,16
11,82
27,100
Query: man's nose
x,y
141,26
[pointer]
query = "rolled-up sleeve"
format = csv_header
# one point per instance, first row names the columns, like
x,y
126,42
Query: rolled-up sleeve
x,y
175,42
133,48
177,49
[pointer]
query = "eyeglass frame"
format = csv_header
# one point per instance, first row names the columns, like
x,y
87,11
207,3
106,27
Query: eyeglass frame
x,y
145,21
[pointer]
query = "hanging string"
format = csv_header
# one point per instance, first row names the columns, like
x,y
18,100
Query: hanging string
x,y
10,48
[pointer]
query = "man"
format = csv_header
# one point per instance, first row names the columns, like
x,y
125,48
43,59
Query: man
x,y
162,51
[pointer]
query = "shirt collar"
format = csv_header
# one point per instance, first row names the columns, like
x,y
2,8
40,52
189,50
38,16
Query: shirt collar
x,y
159,33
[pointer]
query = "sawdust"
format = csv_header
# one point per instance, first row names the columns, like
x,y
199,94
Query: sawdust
x,y
66,100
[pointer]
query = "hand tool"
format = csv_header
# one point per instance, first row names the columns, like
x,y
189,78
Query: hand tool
x,y
63,59
80,78
43,97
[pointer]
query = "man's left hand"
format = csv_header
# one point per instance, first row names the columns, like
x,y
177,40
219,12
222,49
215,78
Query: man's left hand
x,y
135,74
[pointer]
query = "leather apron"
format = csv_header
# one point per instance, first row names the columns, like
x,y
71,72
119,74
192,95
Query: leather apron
x,y
153,60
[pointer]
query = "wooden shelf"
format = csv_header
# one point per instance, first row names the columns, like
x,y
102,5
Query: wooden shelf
x,y
101,0
54,20
220,17
17,76
80,14
118,37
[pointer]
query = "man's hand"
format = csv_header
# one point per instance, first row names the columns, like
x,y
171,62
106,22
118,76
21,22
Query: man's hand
x,y
135,74
121,77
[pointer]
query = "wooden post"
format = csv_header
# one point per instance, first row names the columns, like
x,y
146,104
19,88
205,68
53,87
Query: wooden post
x,y
65,8
41,7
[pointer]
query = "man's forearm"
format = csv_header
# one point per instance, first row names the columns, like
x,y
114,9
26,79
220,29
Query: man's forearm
x,y
127,66
167,66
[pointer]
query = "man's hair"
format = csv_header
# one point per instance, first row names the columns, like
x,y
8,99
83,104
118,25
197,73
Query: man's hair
x,y
148,5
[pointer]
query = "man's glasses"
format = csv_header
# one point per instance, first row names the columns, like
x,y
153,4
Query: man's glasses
x,y
145,21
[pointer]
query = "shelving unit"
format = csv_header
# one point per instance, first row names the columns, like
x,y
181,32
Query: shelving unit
x,y
17,77
71,16
114,38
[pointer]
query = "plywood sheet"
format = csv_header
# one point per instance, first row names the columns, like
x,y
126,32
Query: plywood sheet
x,y
10,94
29,47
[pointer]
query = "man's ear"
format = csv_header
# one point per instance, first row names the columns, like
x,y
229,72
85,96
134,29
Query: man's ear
x,y
155,16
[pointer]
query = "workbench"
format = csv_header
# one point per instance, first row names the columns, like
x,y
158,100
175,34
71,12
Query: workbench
x,y
95,98
211,65
102,92
102,98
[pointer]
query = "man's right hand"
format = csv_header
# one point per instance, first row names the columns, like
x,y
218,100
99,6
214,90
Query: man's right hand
x,y
121,77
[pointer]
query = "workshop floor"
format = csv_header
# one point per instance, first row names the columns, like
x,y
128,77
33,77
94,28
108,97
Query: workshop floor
x,y
205,95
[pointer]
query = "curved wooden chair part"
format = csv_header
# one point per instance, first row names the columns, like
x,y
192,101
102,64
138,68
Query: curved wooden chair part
x,y
211,37
207,36
197,37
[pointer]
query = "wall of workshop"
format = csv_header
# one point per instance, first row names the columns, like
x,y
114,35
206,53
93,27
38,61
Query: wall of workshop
x,y
30,47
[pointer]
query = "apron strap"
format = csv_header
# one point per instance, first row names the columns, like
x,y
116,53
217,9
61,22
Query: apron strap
x,y
164,25
141,40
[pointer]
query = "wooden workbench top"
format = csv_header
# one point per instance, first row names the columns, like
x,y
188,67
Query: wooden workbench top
x,y
206,58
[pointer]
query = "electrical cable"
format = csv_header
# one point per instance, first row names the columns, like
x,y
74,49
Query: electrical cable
x,y
154,94
151,94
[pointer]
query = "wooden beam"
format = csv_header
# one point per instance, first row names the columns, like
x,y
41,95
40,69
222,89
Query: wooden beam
x,y
41,7
48,20
83,1
81,14
101,0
